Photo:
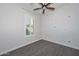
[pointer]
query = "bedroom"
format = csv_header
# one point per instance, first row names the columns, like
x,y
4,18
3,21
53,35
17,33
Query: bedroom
x,y
59,26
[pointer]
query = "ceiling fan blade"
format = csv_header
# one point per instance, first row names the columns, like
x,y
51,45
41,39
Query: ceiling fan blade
x,y
37,9
41,4
43,11
48,4
50,8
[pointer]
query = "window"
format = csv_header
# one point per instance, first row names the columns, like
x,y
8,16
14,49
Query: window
x,y
29,25
29,28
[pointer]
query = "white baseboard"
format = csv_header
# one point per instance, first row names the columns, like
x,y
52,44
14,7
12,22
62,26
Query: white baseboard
x,y
63,44
5,52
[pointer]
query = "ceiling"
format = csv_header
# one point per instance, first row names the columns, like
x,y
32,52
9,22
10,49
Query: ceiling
x,y
30,6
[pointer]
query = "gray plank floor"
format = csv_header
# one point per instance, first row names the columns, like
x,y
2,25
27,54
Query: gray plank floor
x,y
44,48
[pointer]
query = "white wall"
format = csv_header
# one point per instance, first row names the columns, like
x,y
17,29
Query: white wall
x,y
62,26
59,26
12,27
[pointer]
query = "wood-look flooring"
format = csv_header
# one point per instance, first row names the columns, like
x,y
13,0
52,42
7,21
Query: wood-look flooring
x,y
44,48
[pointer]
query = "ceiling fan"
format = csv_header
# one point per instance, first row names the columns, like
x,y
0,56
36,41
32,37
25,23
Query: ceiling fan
x,y
45,6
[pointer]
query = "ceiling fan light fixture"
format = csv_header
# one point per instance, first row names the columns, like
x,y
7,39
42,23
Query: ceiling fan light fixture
x,y
45,6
